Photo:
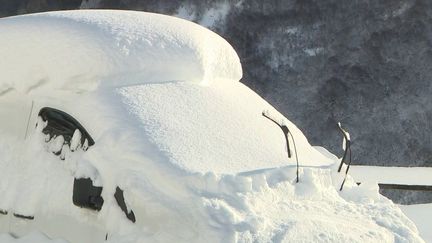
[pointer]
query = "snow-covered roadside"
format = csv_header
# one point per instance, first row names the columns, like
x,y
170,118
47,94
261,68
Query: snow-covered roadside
x,y
313,210
393,175
421,215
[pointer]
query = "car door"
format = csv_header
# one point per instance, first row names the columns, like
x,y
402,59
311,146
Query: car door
x,y
14,114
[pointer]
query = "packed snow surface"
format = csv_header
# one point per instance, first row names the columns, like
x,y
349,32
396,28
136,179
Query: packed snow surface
x,y
393,175
190,148
34,237
421,214
80,50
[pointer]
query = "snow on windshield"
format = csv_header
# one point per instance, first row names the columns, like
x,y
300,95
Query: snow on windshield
x,y
217,128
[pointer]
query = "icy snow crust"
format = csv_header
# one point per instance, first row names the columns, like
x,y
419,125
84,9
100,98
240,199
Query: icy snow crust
x,y
197,163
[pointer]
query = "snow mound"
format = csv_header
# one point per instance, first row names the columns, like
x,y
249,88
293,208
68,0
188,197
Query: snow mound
x,y
34,237
145,138
217,129
80,50
258,206
421,214
279,210
197,163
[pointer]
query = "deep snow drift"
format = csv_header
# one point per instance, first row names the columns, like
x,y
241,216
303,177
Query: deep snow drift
x,y
77,50
178,133
33,237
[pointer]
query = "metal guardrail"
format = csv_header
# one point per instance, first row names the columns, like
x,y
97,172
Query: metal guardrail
x,y
347,159
405,187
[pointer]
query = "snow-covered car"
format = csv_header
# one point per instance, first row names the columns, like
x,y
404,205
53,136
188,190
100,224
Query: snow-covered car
x,y
127,126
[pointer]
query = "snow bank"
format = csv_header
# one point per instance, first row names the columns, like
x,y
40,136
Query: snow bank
x,y
393,175
280,210
261,206
144,136
421,215
34,237
80,50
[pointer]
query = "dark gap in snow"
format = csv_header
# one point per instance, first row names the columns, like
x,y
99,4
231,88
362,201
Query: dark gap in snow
x,y
85,195
122,204
23,216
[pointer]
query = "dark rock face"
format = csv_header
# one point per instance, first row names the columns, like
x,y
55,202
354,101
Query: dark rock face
x,y
365,63
8,7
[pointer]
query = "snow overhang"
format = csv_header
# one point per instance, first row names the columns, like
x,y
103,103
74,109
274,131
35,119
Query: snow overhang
x,y
85,49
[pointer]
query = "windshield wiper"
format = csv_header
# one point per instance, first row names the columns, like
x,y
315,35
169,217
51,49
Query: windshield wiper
x,y
286,132
347,148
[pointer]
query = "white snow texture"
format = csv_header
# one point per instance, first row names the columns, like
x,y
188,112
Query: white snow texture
x,y
174,129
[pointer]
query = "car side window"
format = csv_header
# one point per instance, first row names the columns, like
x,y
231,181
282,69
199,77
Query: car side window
x,y
65,129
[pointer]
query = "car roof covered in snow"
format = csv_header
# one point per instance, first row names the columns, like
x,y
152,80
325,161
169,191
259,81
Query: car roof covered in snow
x,y
170,81
84,49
